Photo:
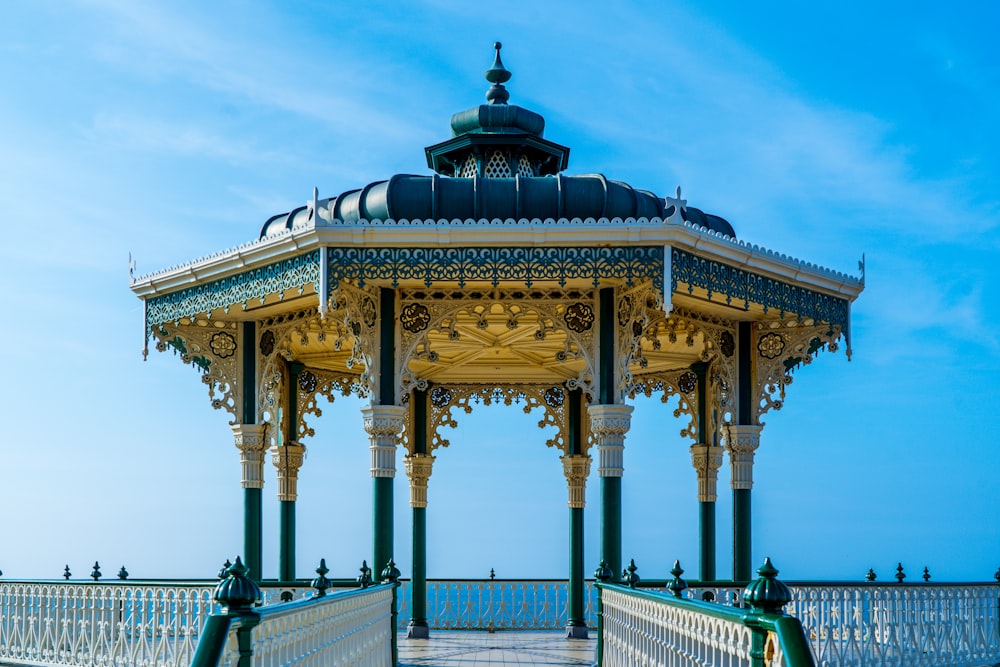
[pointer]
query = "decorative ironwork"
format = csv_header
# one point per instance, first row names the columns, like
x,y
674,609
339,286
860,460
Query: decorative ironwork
x,y
445,399
440,397
267,343
727,343
223,345
307,381
555,397
687,382
415,317
770,345
624,310
740,285
579,317
292,274
369,313
209,347
527,265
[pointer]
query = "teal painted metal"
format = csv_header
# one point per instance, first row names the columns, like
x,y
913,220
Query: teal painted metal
x,y
253,532
286,539
292,420
382,519
387,346
606,350
737,284
249,352
418,586
741,535
742,514
706,544
603,575
577,616
287,275
611,524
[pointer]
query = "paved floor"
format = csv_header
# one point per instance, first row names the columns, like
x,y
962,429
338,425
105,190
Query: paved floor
x,y
479,649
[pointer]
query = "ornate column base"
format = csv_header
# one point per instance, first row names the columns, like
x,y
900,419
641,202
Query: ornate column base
x,y
576,632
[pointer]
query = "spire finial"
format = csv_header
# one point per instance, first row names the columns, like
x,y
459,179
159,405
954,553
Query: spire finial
x,y
497,75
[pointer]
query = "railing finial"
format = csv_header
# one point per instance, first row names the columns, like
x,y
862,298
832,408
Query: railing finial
x,y
927,574
95,574
900,575
604,574
237,592
321,583
870,576
123,573
767,594
224,572
67,574
629,575
390,573
677,585
365,578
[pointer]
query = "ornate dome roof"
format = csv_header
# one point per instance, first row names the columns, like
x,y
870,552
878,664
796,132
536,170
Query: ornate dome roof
x,y
497,166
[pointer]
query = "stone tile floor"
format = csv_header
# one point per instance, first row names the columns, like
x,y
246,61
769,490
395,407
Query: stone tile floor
x,y
479,649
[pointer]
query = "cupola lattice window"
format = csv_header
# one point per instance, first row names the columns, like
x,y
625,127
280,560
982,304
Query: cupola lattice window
x,y
524,167
498,166
470,168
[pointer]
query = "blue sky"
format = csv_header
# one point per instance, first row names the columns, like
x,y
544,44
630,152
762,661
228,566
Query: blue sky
x,y
820,130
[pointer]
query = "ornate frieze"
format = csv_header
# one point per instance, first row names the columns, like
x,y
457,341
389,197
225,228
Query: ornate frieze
x,y
288,275
213,348
418,468
383,424
734,284
313,383
444,399
250,440
707,459
525,265
742,440
576,468
609,424
287,460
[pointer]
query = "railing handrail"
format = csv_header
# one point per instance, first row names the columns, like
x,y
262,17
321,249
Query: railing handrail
x,y
788,630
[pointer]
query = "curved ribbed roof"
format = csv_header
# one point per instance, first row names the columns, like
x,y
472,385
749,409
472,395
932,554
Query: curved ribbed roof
x,y
497,166
407,197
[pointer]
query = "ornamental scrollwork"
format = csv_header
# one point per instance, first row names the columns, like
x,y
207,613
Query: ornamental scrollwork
x,y
313,383
211,346
781,347
444,400
463,317
668,385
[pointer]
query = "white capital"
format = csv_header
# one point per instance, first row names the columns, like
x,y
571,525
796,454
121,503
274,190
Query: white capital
x,y
707,459
576,467
609,424
742,440
383,423
252,444
418,468
287,460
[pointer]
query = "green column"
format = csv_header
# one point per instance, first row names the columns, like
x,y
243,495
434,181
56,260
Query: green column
x,y
250,440
611,483
742,555
383,460
611,525
382,519
253,531
706,526
286,539
741,536
288,458
576,467
418,468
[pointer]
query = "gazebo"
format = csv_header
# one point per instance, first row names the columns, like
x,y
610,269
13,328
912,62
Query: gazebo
x,y
498,278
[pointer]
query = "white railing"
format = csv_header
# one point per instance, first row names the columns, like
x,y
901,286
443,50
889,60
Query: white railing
x,y
88,623
351,627
912,625
497,604
641,628
891,624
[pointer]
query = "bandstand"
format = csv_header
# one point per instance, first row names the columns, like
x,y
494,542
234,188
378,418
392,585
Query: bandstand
x,y
498,278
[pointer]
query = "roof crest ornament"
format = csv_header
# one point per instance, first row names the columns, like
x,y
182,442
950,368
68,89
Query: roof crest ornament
x,y
497,75
679,205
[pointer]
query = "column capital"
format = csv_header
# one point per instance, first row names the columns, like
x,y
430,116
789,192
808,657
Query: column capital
x,y
707,459
418,468
576,468
287,460
251,441
609,424
742,440
383,423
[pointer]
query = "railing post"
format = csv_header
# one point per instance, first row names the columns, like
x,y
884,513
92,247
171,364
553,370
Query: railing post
x,y
237,594
603,574
390,575
766,595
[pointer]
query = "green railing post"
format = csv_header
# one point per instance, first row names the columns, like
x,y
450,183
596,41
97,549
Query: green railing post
x,y
390,575
767,598
603,575
236,593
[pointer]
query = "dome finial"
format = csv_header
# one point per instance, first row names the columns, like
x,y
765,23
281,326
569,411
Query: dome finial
x,y
497,75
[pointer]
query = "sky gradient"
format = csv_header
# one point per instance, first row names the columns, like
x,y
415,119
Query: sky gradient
x,y
825,131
